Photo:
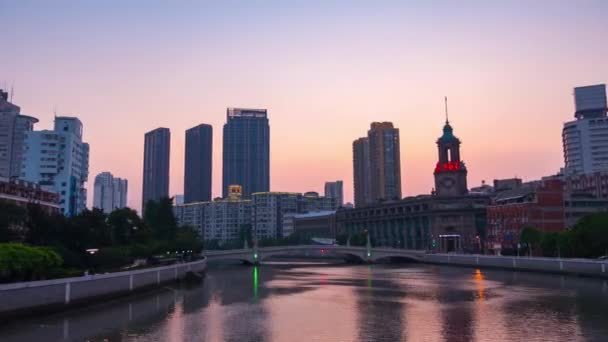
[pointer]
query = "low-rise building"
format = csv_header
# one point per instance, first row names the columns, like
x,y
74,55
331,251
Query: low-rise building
x,y
427,222
272,209
318,224
219,220
269,209
538,205
22,193
579,205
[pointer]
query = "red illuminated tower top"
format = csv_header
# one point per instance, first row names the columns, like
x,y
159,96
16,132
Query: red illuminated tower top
x,y
450,172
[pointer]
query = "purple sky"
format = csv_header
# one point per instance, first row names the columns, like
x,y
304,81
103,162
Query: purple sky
x,y
323,69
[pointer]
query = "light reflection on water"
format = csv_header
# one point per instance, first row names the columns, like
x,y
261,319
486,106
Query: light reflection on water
x,y
328,302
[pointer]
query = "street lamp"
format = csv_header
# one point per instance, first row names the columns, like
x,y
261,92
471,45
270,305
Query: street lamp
x,y
91,252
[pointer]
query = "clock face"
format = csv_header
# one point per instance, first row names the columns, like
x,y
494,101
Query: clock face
x,y
448,182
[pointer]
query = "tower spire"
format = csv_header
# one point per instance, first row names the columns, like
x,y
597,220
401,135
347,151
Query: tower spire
x,y
447,122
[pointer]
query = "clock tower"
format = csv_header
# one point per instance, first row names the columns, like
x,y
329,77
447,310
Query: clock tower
x,y
450,172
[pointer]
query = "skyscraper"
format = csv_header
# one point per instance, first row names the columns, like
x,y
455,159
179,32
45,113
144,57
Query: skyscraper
x,y
385,161
246,152
361,172
197,170
157,145
334,190
13,127
584,139
58,160
110,192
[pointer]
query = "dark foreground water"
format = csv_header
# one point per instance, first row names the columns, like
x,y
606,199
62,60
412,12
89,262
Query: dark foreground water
x,y
324,302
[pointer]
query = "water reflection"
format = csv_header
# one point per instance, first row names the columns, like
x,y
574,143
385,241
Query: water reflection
x,y
306,302
380,301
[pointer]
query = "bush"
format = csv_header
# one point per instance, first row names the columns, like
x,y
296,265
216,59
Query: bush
x,y
111,257
21,263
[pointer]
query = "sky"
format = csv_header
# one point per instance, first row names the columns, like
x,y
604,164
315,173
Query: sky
x,y
324,70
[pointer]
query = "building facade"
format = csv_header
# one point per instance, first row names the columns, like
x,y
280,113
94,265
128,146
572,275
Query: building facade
x,y
319,224
109,192
450,219
423,222
246,151
585,140
13,128
362,172
539,205
22,193
198,164
385,161
271,208
157,146
58,160
335,190
220,220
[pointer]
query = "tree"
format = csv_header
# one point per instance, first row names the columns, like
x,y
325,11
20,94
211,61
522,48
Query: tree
x,y
20,262
187,240
91,227
589,237
549,244
245,233
44,228
12,221
159,216
531,237
126,227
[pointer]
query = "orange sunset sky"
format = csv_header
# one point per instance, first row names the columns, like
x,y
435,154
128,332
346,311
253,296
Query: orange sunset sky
x,y
323,69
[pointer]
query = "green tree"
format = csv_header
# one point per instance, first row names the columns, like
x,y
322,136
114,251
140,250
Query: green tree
x,y
21,262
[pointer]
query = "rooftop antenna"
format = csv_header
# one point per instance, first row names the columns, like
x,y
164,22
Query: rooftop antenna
x,y
447,122
12,93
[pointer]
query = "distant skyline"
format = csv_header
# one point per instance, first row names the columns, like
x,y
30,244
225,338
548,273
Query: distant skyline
x,y
324,70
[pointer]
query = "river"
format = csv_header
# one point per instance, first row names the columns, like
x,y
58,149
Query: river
x,y
308,301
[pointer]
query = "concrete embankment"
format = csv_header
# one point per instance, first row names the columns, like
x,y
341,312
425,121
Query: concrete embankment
x,y
593,268
50,295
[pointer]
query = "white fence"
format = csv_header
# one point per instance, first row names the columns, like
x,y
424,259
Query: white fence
x,y
587,267
66,291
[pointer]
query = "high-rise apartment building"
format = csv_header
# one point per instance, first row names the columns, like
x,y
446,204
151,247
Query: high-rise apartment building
x,y
362,172
13,127
197,170
335,190
58,160
246,151
585,140
385,161
157,146
110,192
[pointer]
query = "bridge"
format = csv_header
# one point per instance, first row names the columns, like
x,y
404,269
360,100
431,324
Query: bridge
x,y
256,255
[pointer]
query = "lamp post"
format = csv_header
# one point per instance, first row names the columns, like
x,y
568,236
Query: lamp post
x,y
91,252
